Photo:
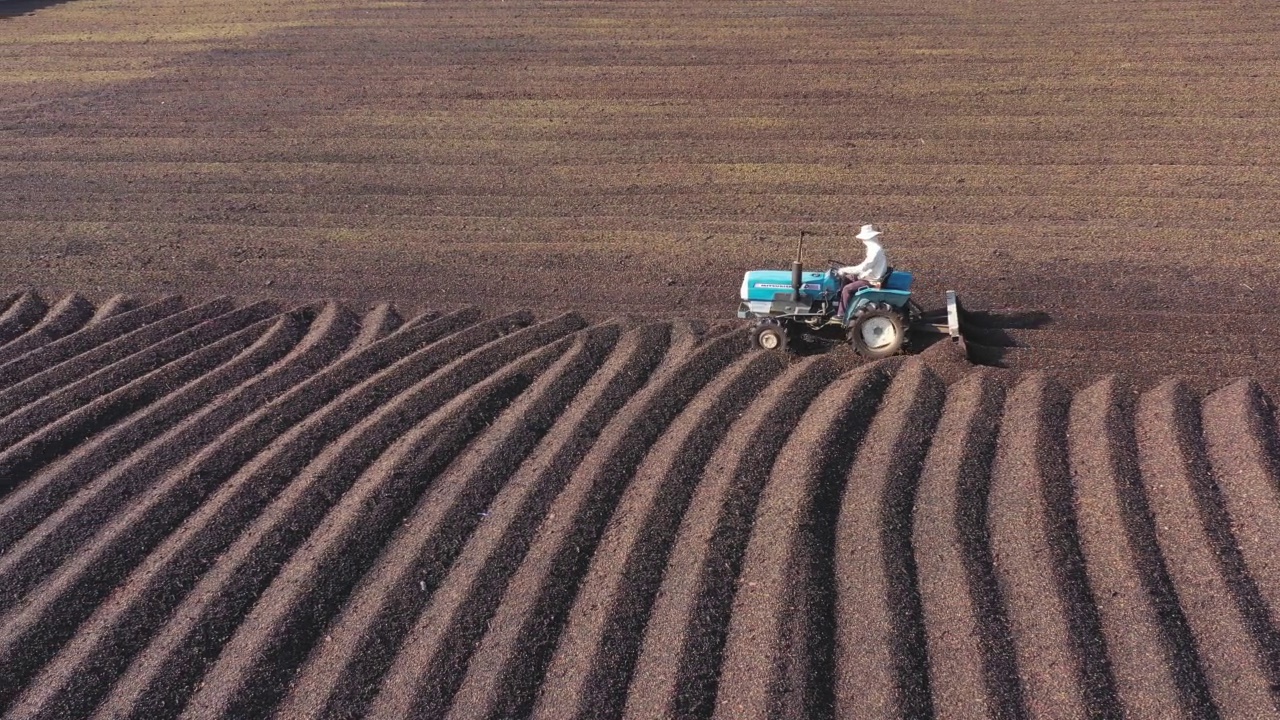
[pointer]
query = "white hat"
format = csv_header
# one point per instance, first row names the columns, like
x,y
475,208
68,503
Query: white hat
x,y
868,232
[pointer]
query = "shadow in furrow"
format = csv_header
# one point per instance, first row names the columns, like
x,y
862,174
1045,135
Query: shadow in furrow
x,y
85,340
683,645
1000,669
881,661
21,316
432,655
1188,672
506,670
125,621
1084,623
69,315
597,649
1212,507
254,667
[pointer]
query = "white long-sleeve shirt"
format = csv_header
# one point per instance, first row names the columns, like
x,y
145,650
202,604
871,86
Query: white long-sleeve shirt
x,y
875,267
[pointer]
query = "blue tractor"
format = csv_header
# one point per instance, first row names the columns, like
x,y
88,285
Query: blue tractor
x,y
785,305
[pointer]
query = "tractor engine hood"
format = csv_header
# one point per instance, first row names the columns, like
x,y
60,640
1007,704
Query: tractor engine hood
x,y
764,285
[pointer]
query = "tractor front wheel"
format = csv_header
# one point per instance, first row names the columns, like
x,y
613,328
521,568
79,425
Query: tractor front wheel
x,y
769,337
878,331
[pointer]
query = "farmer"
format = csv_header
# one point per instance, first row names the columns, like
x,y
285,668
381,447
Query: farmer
x,y
870,271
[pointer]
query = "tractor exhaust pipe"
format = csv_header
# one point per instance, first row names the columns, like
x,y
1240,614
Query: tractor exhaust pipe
x,y
796,268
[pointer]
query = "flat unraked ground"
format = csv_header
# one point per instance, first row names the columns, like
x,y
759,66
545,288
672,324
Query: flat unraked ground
x,y
242,509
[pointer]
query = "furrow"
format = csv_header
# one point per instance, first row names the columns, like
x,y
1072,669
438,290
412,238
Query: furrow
x,y
381,321
777,655
124,621
1153,656
311,466
679,657
1057,639
972,669
507,667
29,632
21,316
88,338
450,622
40,410
882,666
1239,432
422,550
42,431
114,305
8,300
87,361
420,319
261,657
1193,535
68,316
121,462
592,665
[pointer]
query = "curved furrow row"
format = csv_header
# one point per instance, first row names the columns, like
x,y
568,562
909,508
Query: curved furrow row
x,y
1176,477
381,321
89,357
69,315
1240,439
972,668
465,589
881,665
38,433
1060,656
109,308
120,462
20,316
503,673
1153,656
42,410
778,653
31,629
679,656
283,625
95,334
594,658
9,299
128,617
359,641
419,319
243,357
311,466
235,511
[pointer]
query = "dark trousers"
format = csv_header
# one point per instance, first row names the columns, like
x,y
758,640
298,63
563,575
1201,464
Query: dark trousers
x,y
846,293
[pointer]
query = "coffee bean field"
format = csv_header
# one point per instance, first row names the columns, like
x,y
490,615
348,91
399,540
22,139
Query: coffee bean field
x,y
364,358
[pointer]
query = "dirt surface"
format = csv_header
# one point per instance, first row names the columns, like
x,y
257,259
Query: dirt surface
x,y
379,359
239,509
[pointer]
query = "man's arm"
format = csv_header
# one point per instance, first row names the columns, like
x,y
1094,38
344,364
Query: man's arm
x,y
853,271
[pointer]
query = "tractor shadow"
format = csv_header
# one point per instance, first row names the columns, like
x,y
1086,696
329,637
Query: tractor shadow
x,y
989,337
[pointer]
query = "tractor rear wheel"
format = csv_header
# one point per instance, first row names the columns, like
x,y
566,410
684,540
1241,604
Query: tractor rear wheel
x,y
878,331
769,337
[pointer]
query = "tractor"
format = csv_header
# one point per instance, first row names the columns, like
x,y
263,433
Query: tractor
x,y
784,305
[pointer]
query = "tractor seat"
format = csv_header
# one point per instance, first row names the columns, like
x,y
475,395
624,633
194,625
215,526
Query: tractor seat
x,y
884,281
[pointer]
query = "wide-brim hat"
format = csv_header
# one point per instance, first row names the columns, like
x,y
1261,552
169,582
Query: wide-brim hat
x,y
868,232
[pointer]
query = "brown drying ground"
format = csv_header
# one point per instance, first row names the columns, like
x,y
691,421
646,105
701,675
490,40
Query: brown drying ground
x,y
241,508
245,510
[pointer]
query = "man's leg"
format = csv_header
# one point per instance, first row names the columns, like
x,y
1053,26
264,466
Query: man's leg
x,y
846,294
